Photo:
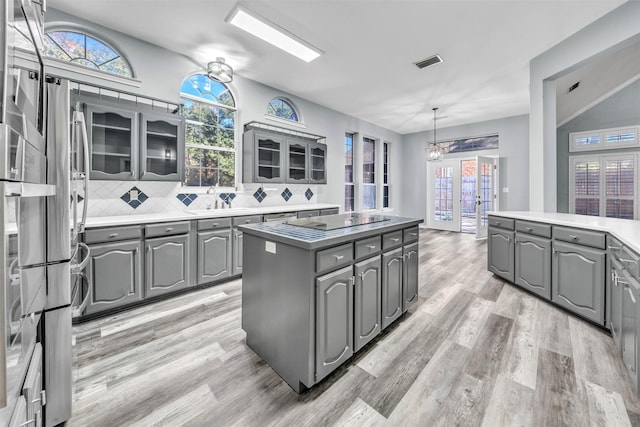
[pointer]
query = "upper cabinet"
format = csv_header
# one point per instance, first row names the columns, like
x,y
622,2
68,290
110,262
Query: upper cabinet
x,y
273,156
128,141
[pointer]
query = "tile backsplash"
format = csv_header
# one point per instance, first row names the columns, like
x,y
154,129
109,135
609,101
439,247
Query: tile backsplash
x,y
107,198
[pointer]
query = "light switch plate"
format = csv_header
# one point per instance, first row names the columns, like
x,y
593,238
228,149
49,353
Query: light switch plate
x,y
505,189
270,247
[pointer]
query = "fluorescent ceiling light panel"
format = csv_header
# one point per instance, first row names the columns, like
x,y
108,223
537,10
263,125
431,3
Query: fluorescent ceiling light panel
x,y
271,33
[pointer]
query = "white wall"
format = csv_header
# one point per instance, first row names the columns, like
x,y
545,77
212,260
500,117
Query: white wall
x,y
513,139
613,31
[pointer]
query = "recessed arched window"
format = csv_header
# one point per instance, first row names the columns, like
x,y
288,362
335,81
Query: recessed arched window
x,y
210,119
283,109
87,51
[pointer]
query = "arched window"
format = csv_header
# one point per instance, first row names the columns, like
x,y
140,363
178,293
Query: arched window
x,y
210,115
85,50
283,109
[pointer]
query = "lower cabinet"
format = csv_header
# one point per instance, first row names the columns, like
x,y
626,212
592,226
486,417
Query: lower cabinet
x,y
237,253
500,257
409,275
114,275
533,264
614,301
167,264
392,302
334,320
630,289
577,280
32,388
214,255
368,301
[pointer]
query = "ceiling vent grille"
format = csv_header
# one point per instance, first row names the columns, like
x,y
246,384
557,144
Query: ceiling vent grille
x,y
435,59
574,87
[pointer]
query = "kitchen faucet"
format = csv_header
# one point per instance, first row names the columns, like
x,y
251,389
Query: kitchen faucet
x,y
214,189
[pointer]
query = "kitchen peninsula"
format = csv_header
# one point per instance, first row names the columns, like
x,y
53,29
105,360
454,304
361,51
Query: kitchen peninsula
x,y
316,290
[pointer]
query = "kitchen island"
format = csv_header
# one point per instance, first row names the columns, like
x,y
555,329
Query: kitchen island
x,y
316,290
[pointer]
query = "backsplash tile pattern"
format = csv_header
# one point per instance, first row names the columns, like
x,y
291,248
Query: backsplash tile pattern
x,y
134,197
308,194
286,194
105,197
227,197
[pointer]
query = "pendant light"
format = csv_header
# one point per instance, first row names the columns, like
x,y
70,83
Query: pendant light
x,y
220,71
435,154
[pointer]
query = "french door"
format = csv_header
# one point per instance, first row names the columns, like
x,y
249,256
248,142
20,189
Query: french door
x,y
485,193
444,195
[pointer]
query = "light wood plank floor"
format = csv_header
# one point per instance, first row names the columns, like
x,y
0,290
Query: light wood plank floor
x,y
473,351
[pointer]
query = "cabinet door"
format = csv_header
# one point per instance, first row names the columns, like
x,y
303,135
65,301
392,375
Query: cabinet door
x,y
533,264
334,320
629,327
392,266
368,301
409,275
114,275
501,253
214,255
297,159
317,163
268,158
161,148
113,142
578,280
167,264
614,301
237,252
32,387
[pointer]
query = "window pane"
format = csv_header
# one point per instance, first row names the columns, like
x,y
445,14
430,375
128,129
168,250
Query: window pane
x,y
587,206
348,157
620,176
587,140
385,200
617,208
626,137
280,107
368,161
348,198
368,197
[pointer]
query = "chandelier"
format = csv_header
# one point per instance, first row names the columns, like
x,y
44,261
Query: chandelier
x,y
220,71
435,154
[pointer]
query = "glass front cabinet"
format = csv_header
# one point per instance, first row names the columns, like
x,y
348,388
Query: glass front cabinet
x,y
128,144
270,157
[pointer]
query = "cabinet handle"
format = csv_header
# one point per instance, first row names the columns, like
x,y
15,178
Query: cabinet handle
x,y
169,229
371,247
395,240
352,281
113,235
498,222
628,261
614,248
339,257
413,234
628,288
247,221
529,229
573,237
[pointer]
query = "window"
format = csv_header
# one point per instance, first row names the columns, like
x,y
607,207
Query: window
x,y
349,195
280,107
476,143
86,51
368,174
604,186
210,116
386,203
604,139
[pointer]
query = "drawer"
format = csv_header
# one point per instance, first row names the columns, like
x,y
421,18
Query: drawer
x,y
330,211
331,258
391,240
214,224
582,237
243,220
368,246
96,235
614,245
167,229
279,216
410,235
542,230
631,261
498,221
308,214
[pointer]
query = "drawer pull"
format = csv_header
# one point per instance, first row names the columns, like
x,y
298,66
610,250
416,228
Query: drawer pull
x,y
113,235
628,261
574,237
395,240
247,221
529,229
614,248
169,229
413,234
339,257
371,247
497,222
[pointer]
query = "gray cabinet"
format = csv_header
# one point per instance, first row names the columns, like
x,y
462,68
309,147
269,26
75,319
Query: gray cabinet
x,y
533,264
392,303
614,301
317,168
297,160
214,255
409,275
167,264
114,275
308,214
161,147
237,252
630,288
578,279
32,387
501,252
329,211
368,301
334,320
263,157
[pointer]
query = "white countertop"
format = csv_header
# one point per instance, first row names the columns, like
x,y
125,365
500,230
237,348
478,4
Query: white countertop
x,y
110,221
625,230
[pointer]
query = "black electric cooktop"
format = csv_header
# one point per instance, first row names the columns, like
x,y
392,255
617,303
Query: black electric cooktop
x,y
333,222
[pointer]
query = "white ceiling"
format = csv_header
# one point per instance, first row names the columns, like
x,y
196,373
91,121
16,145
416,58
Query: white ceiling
x,y
367,70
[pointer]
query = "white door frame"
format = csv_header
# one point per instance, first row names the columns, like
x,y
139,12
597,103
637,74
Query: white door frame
x,y
482,224
454,223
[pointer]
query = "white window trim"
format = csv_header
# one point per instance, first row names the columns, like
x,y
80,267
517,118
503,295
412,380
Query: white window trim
x,y
602,197
352,183
603,145
376,179
284,121
388,184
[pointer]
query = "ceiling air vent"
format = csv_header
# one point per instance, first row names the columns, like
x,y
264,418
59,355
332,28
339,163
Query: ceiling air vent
x,y
435,59
573,87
